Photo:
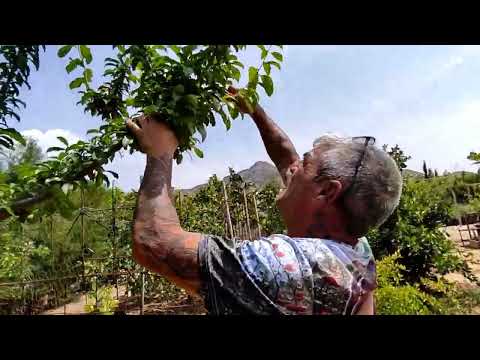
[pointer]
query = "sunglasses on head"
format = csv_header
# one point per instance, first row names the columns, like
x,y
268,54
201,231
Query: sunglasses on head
x,y
366,141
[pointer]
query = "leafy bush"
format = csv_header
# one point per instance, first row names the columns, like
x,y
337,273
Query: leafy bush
x,y
414,230
101,301
394,297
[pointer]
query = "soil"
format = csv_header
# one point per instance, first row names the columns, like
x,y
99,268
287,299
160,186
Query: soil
x,y
471,253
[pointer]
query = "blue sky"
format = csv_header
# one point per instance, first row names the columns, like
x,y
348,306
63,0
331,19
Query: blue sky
x,y
424,98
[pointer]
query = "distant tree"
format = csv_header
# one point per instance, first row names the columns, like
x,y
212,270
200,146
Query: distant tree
x,y
474,157
30,153
436,173
425,171
430,173
398,155
17,162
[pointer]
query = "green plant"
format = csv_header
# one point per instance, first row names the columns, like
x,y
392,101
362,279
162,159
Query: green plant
x,y
398,155
184,85
395,297
101,301
414,230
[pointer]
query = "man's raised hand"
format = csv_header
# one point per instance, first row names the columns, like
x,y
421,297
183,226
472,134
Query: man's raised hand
x,y
154,136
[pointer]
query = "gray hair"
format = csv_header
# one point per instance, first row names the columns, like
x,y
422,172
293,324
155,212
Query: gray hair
x,y
376,191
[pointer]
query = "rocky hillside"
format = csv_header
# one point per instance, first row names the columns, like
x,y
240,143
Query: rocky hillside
x,y
260,173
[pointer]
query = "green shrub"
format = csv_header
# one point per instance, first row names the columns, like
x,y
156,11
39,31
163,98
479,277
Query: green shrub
x,y
414,229
394,297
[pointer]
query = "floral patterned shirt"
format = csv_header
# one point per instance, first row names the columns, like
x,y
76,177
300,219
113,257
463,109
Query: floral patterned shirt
x,y
283,275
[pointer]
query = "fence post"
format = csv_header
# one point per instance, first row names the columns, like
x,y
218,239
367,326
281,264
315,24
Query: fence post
x,y
256,214
83,239
96,292
246,212
65,301
143,293
228,212
51,241
114,237
23,298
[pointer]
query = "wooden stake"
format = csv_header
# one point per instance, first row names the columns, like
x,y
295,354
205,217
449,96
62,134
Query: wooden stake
x,y
246,212
228,211
259,227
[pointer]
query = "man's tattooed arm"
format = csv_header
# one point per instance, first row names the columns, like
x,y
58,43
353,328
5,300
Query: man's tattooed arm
x,y
278,145
159,242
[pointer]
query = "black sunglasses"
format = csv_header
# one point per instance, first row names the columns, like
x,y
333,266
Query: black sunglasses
x,y
365,140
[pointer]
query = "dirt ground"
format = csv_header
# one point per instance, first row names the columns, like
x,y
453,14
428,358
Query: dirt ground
x,y
471,254
129,305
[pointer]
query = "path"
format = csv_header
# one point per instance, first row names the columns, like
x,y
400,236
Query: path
x,y
472,256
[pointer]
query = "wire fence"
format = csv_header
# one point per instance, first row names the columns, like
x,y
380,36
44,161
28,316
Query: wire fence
x,y
130,287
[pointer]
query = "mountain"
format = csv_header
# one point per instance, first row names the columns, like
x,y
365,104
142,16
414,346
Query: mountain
x,y
261,173
411,173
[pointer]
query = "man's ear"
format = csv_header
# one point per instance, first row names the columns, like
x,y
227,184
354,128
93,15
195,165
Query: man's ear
x,y
329,191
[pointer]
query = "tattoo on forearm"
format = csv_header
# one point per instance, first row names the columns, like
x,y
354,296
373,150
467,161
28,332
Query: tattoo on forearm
x,y
277,143
157,233
169,253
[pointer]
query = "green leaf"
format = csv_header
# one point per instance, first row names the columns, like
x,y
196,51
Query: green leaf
x,y
264,51
93,131
14,134
267,84
277,56
86,54
201,130
73,64
236,73
233,112
115,175
226,120
277,65
150,109
238,63
64,50
55,148
267,68
175,49
198,152
63,140
76,83
252,76
88,74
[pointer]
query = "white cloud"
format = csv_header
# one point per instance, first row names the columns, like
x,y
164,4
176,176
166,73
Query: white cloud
x,y
49,138
454,61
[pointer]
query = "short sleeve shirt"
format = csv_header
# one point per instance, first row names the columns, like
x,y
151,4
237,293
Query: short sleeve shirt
x,y
280,275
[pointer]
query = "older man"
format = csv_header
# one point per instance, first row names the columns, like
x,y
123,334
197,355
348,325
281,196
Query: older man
x,y
332,197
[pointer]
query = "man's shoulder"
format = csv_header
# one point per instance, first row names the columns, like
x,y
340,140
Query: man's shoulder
x,y
363,247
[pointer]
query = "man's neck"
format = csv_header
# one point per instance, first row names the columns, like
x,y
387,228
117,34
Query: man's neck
x,y
321,231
